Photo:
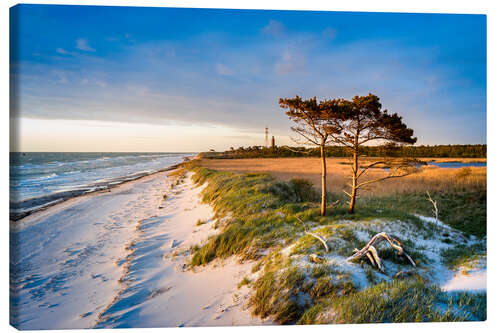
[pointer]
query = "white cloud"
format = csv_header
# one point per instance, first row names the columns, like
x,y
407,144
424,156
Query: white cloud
x,y
223,70
289,62
83,44
274,28
101,84
61,51
303,64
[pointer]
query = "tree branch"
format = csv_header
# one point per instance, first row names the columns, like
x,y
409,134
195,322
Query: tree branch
x,y
380,179
297,151
370,166
300,132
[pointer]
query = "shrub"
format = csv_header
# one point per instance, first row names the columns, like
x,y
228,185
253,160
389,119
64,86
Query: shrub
x,y
304,190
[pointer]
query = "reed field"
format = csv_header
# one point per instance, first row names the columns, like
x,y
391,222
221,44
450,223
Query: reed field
x,y
428,178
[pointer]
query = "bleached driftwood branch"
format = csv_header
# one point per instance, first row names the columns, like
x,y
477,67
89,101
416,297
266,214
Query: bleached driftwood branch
x,y
320,238
434,203
369,250
372,255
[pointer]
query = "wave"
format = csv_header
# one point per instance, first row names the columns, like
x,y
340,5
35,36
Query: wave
x,y
52,175
32,188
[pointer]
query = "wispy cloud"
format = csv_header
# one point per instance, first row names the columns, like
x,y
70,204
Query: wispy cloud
x,y
61,51
274,28
289,63
83,44
223,70
234,78
101,84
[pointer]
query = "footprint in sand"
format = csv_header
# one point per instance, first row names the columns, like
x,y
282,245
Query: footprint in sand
x,y
86,314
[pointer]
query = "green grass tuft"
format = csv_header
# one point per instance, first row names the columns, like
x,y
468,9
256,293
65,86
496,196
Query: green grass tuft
x,y
398,301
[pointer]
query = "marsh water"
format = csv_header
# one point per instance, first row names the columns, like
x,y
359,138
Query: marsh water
x,y
456,165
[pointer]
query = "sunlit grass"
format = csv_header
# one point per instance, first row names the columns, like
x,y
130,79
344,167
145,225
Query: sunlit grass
x,y
429,178
257,216
460,193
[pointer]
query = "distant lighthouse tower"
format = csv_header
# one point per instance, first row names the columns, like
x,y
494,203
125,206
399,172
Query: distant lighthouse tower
x,y
267,134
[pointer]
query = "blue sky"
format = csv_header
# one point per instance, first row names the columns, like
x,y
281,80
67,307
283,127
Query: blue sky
x,y
195,79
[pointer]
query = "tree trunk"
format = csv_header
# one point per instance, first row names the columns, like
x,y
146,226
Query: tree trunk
x,y
354,182
323,180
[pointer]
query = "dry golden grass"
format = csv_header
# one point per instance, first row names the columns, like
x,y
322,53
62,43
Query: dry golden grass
x,y
338,172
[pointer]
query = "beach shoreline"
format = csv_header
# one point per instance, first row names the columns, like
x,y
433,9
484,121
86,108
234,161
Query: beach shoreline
x,y
74,194
97,246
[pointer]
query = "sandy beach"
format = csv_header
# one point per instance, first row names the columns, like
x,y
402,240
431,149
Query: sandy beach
x,y
118,259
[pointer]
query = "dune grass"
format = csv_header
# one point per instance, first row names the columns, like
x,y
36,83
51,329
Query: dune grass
x,y
263,213
464,256
398,301
257,217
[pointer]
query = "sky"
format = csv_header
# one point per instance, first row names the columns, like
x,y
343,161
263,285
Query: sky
x,y
95,78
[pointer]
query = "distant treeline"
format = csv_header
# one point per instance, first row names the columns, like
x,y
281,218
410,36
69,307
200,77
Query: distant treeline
x,y
456,151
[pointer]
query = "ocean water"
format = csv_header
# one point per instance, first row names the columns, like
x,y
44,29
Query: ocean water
x,y
41,179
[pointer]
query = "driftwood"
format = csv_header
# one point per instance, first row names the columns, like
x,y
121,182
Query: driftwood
x,y
434,203
405,274
320,238
315,258
371,253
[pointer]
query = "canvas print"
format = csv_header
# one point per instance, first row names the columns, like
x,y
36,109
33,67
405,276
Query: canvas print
x,y
215,167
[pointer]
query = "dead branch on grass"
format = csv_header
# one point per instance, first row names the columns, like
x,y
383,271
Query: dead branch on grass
x,y
369,250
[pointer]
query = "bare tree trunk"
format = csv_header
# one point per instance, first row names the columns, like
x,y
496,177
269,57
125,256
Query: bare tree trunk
x,y
354,182
323,179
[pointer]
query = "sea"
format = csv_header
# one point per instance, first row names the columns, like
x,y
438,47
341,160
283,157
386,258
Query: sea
x,y
38,180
